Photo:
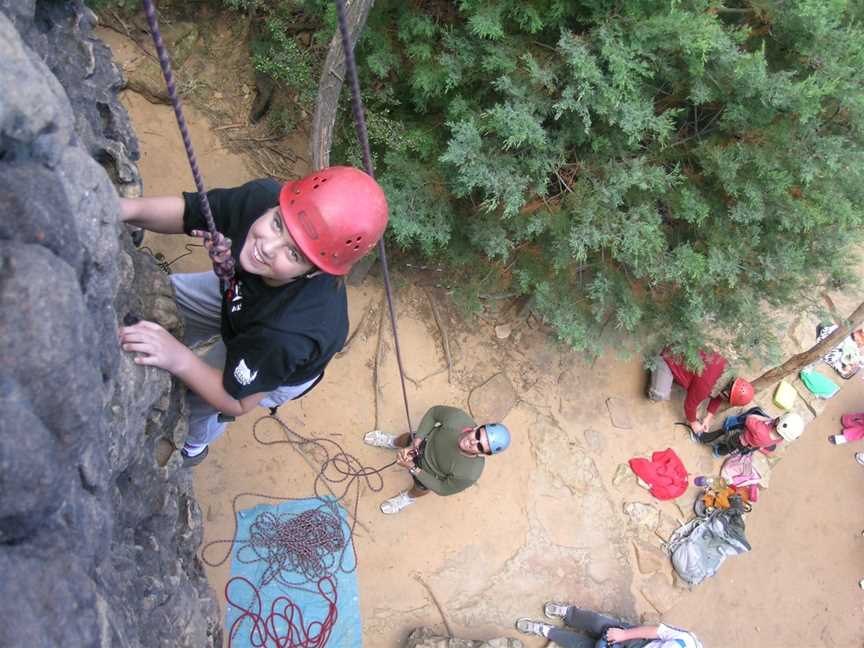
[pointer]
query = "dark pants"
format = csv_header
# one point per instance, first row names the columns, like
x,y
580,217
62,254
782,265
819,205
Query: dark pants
x,y
723,442
593,627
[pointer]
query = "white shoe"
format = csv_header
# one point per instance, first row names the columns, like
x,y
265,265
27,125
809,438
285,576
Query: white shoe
x,y
859,457
396,504
380,439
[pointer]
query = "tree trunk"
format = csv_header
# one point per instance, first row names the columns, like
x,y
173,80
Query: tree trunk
x,y
800,360
330,85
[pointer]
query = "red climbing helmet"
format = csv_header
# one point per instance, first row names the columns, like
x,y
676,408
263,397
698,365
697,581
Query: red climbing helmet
x,y
741,392
335,215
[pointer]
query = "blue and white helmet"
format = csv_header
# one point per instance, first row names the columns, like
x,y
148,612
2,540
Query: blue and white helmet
x,y
499,437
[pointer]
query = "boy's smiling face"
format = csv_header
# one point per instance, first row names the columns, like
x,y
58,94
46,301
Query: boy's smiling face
x,y
271,253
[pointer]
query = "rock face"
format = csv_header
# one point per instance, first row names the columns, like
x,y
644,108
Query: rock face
x,y
97,541
428,638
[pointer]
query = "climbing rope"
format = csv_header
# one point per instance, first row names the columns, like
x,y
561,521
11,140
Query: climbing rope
x,y
363,138
223,264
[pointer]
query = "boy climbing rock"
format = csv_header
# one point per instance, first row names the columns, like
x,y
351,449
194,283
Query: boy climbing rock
x,y
284,315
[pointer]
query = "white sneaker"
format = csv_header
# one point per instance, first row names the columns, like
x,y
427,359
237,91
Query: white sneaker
x,y
859,457
396,504
380,439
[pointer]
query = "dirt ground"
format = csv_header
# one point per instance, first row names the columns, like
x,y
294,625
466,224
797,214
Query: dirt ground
x,y
549,519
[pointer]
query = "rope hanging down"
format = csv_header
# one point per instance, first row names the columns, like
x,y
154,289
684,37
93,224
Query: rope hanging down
x,y
363,138
224,269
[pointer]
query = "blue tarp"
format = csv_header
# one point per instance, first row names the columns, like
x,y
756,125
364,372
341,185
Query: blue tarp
x,y
307,599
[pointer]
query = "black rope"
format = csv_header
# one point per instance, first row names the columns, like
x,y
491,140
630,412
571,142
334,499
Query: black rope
x,y
363,138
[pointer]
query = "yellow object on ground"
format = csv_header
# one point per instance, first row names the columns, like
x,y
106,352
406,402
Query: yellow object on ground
x,y
784,396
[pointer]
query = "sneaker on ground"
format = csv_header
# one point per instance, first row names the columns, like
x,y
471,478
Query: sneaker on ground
x,y
555,610
396,504
529,626
837,439
380,439
859,457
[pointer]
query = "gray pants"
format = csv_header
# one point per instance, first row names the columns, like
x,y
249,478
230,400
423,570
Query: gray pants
x,y
200,303
661,381
591,628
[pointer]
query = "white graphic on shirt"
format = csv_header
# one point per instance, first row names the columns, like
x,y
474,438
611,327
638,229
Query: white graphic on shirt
x,y
244,375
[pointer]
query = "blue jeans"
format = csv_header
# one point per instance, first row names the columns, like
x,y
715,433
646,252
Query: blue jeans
x,y
200,304
591,630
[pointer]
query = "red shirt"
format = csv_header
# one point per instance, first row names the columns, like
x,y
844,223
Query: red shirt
x,y
758,433
699,386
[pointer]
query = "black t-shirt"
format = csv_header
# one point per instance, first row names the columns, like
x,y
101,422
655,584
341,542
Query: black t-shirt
x,y
274,336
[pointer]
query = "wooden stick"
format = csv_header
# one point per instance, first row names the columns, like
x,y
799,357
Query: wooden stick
x,y
445,341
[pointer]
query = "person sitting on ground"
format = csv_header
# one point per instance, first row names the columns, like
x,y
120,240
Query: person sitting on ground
x,y
445,456
669,368
759,433
284,314
594,630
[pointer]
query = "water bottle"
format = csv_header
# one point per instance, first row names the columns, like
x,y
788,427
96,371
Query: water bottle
x,y
714,483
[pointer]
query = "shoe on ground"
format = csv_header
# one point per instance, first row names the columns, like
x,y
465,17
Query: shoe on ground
x,y
380,439
190,462
837,439
555,610
859,457
529,626
396,504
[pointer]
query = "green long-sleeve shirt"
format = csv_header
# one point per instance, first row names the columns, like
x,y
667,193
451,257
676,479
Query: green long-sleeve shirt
x,y
445,470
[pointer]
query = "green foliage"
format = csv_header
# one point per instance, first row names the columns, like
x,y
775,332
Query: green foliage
x,y
657,171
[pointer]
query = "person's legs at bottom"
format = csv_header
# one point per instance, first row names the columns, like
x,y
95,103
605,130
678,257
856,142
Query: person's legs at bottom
x,y
710,437
590,622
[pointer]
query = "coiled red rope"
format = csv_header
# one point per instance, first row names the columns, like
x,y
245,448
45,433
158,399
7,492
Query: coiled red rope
x,y
283,626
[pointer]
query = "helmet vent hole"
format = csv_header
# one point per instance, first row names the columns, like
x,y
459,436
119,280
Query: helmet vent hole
x,y
315,186
358,238
323,179
356,247
292,202
323,254
348,242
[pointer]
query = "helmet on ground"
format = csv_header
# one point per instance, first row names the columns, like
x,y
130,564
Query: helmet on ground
x,y
498,436
790,426
335,215
740,393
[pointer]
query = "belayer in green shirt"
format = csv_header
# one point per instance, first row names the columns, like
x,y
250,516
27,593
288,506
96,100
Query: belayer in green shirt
x,y
445,456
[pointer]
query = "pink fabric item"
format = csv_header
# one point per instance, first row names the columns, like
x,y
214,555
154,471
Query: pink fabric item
x,y
664,473
758,432
855,419
853,433
698,386
738,470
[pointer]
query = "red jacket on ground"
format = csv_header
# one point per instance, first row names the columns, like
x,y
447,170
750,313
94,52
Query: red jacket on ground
x,y
698,386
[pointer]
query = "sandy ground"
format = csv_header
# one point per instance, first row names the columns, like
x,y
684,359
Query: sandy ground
x,y
547,520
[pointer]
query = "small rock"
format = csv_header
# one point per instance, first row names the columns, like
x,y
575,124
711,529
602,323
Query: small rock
x,y
619,413
502,331
642,515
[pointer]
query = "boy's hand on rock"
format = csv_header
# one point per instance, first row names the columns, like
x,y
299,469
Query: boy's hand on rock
x,y
153,345
614,635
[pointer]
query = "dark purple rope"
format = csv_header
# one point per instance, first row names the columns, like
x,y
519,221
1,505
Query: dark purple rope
x,y
224,269
363,137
